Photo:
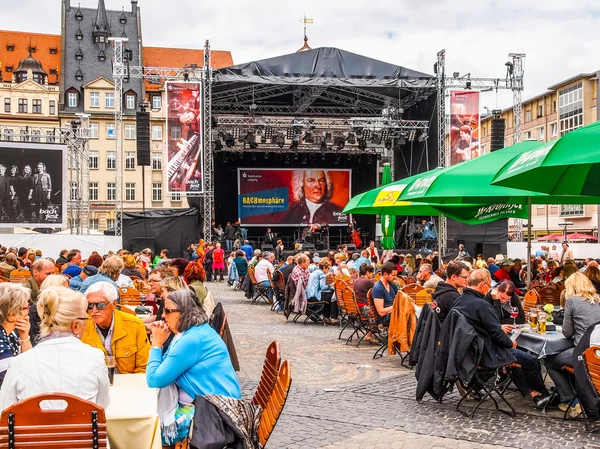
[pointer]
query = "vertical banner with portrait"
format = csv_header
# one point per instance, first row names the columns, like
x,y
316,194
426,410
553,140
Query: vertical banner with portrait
x,y
291,197
185,158
33,180
464,126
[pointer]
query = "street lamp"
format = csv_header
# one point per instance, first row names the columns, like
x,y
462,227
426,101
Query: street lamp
x,y
565,224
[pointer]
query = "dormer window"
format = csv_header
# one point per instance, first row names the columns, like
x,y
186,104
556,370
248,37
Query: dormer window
x,y
79,34
10,48
53,51
53,71
101,56
79,54
100,39
9,68
79,15
79,75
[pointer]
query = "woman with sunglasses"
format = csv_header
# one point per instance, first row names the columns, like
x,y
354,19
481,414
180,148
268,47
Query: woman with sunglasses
x,y
14,329
60,362
196,363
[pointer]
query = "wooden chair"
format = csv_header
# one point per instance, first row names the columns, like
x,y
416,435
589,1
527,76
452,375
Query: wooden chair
x,y
354,317
258,291
592,363
127,310
530,301
549,295
439,272
338,286
56,269
279,290
268,378
412,290
410,280
377,277
223,325
82,424
275,404
4,279
378,330
277,297
130,296
19,275
423,296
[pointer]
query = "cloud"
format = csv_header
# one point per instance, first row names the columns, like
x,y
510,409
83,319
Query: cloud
x,y
560,39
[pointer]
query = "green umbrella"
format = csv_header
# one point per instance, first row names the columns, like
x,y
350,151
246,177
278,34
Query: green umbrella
x,y
567,166
388,222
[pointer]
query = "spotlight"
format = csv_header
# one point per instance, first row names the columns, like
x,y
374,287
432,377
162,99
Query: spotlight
x,y
308,138
340,142
323,146
218,145
229,140
253,145
328,137
388,144
423,136
351,139
411,135
468,85
376,139
279,140
289,133
456,74
385,134
379,157
263,139
362,144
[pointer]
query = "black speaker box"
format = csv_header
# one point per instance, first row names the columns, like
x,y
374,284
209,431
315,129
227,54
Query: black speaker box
x,y
143,138
497,137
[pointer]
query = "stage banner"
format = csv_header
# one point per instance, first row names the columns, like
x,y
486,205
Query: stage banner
x,y
33,185
184,137
291,197
464,126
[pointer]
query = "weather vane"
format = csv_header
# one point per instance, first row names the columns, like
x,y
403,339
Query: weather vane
x,y
304,20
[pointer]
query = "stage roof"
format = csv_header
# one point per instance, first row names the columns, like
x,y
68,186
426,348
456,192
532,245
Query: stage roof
x,y
322,81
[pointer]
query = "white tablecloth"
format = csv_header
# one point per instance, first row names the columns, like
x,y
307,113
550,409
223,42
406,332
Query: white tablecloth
x,y
131,417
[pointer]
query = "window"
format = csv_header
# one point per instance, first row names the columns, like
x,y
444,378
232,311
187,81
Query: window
x,y
23,105
10,48
528,116
156,102
73,191
554,106
52,107
36,106
72,99
130,131
50,137
9,69
7,105
129,160
110,131
567,210
8,134
94,222
93,130
156,161
130,191
94,99
130,101
175,196
93,191
540,110
53,51
93,159
110,223
109,100
528,135
111,191
571,108
156,132
554,129
23,137
540,133
111,160
36,135
175,132
156,191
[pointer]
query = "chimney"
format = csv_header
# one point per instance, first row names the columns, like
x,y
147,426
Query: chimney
x,y
134,7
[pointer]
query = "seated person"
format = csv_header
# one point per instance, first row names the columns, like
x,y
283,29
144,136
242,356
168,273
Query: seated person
x,y
499,350
503,298
318,290
114,332
446,293
427,277
196,363
363,284
384,292
60,363
503,273
15,334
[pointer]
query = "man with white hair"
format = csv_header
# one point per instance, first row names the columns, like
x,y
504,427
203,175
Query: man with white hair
x,y
428,277
117,334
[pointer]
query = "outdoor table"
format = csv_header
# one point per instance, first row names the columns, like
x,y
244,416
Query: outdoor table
x,y
548,343
131,417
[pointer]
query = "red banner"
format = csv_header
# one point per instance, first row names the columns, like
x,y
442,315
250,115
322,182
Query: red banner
x,y
464,126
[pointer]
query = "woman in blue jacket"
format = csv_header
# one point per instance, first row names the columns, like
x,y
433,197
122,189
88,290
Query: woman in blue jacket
x,y
317,289
196,363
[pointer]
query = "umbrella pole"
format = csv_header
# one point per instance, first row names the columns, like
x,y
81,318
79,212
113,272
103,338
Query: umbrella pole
x,y
528,241
440,237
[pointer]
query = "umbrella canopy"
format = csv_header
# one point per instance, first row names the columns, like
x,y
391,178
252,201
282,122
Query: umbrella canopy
x,y
567,166
578,236
388,222
547,238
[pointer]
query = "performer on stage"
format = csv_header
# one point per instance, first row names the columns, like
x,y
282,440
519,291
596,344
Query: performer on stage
x,y
269,237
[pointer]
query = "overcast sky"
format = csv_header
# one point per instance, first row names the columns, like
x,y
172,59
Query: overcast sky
x,y
560,39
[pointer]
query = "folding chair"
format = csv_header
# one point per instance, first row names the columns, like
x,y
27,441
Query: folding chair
x,y
19,276
354,316
277,297
275,404
82,424
530,300
279,291
268,377
258,291
378,330
130,296
412,290
423,296
549,295
339,286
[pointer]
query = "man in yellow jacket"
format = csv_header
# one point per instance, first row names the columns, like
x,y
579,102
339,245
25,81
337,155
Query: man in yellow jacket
x,y
116,333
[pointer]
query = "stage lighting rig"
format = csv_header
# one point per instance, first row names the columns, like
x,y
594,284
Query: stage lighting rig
x,y
323,147
340,142
423,136
351,139
411,135
308,138
388,144
362,144
280,140
376,139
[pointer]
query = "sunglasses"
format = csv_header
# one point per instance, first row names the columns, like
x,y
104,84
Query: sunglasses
x,y
99,305
168,311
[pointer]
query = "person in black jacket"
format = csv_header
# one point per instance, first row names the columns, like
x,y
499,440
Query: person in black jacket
x,y
502,299
447,292
499,349
515,274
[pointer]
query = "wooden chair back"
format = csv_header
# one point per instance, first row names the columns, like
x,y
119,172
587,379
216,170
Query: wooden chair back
x,y
349,299
280,281
535,284
343,277
423,296
270,279
592,362
251,275
549,295
339,285
130,296
412,290
56,269
126,309
439,272
79,425
409,280
560,285
19,275
269,375
373,315
275,404
4,279
377,277
223,325
530,300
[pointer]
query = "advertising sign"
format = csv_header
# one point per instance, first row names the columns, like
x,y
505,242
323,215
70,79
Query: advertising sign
x,y
291,197
464,126
33,177
184,137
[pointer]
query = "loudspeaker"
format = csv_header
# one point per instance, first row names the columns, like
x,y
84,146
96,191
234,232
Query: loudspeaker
x,y
143,138
141,243
351,247
491,249
266,247
308,247
497,141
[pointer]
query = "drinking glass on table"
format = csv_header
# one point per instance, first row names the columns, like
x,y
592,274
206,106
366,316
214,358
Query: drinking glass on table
x,y
109,360
542,317
533,319
514,312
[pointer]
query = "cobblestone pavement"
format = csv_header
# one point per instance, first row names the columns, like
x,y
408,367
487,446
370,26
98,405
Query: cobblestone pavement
x,y
342,398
